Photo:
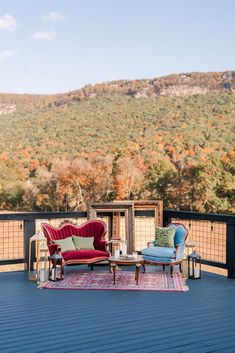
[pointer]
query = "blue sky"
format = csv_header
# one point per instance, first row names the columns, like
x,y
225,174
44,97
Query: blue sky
x,y
52,46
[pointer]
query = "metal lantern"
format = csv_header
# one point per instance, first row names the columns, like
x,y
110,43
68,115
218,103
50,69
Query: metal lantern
x,y
189,245
38,242
194,266
55,267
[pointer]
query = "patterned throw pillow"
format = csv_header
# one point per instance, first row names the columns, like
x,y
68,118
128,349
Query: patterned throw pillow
x,y
164,237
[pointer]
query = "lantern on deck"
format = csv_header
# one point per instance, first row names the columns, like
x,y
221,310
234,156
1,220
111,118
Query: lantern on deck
x,y
41,253
55,267
189,245
194,266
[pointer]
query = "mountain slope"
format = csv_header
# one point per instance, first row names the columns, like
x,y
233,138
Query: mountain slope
x,y
182,134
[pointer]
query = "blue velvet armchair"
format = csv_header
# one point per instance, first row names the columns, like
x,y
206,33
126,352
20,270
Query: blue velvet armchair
x,y
156,255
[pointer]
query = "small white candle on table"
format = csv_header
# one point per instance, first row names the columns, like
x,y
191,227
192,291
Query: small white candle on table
x,y
116,253
123,249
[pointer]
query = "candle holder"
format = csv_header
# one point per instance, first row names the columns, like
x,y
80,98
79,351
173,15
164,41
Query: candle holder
x,y
189,248
55,267
194,266
38,243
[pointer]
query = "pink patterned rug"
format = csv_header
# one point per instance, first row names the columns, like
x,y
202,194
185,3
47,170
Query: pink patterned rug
x,y
125,280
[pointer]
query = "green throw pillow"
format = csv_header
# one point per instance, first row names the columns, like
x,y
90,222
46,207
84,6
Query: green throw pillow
x,y
164,237
65,244
82,243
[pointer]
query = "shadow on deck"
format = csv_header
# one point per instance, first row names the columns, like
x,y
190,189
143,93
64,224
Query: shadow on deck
x,y
34,320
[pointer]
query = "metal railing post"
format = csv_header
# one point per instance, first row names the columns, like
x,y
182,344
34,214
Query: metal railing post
x,y
230,247
165,218
29,231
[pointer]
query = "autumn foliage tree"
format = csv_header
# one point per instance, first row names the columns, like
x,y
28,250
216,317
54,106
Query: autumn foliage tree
x,y
128,178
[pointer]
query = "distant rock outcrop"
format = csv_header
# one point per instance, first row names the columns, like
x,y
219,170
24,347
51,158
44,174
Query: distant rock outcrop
x,y
185,84
7,108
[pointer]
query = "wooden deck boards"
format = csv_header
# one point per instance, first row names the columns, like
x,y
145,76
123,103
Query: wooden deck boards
x,y
201,320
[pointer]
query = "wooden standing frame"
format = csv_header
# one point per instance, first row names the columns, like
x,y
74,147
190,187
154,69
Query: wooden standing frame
x,y
128,208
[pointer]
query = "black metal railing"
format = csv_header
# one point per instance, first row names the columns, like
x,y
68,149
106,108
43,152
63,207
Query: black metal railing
x,y
17,228
214,235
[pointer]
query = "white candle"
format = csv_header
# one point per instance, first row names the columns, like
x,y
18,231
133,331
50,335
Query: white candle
x,y
196,273
135,255
46,274
116,253
123,249
42,275
53,274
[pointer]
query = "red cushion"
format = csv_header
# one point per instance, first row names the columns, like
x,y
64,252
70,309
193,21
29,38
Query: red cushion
x,y
83,254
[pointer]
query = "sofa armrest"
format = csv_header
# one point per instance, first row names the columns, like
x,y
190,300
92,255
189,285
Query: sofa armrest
x,y
103,245
53,248
179,252
149,243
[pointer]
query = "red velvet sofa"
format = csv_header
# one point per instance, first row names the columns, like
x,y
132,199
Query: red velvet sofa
x,y
94,228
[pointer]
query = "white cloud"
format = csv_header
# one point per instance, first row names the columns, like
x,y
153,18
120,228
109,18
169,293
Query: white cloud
x,y
53,17
7,54
44,35
8,23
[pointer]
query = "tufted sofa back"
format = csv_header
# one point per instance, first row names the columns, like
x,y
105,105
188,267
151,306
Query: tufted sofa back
x,y
93,228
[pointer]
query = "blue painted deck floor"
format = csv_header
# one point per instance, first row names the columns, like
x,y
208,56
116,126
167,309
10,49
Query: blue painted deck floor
x,y
33,320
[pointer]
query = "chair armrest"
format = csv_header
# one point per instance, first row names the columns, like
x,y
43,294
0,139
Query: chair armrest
x,y
53,248
179,252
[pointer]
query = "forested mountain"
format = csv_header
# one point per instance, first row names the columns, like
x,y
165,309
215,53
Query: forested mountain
x,y
169,138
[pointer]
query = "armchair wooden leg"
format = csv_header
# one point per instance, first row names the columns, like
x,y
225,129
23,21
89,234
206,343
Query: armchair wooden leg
x,y
180,267
163,267
92,267
62,270
171,270
144,267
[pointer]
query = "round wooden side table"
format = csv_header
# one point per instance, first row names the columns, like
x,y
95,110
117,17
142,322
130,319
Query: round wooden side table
x,y
126,261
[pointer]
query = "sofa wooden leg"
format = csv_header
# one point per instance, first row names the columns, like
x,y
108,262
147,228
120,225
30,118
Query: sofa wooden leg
x,y
180,267
171,270
92,267
163,267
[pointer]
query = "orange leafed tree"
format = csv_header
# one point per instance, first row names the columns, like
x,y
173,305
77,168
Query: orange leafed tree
x,y
128,178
